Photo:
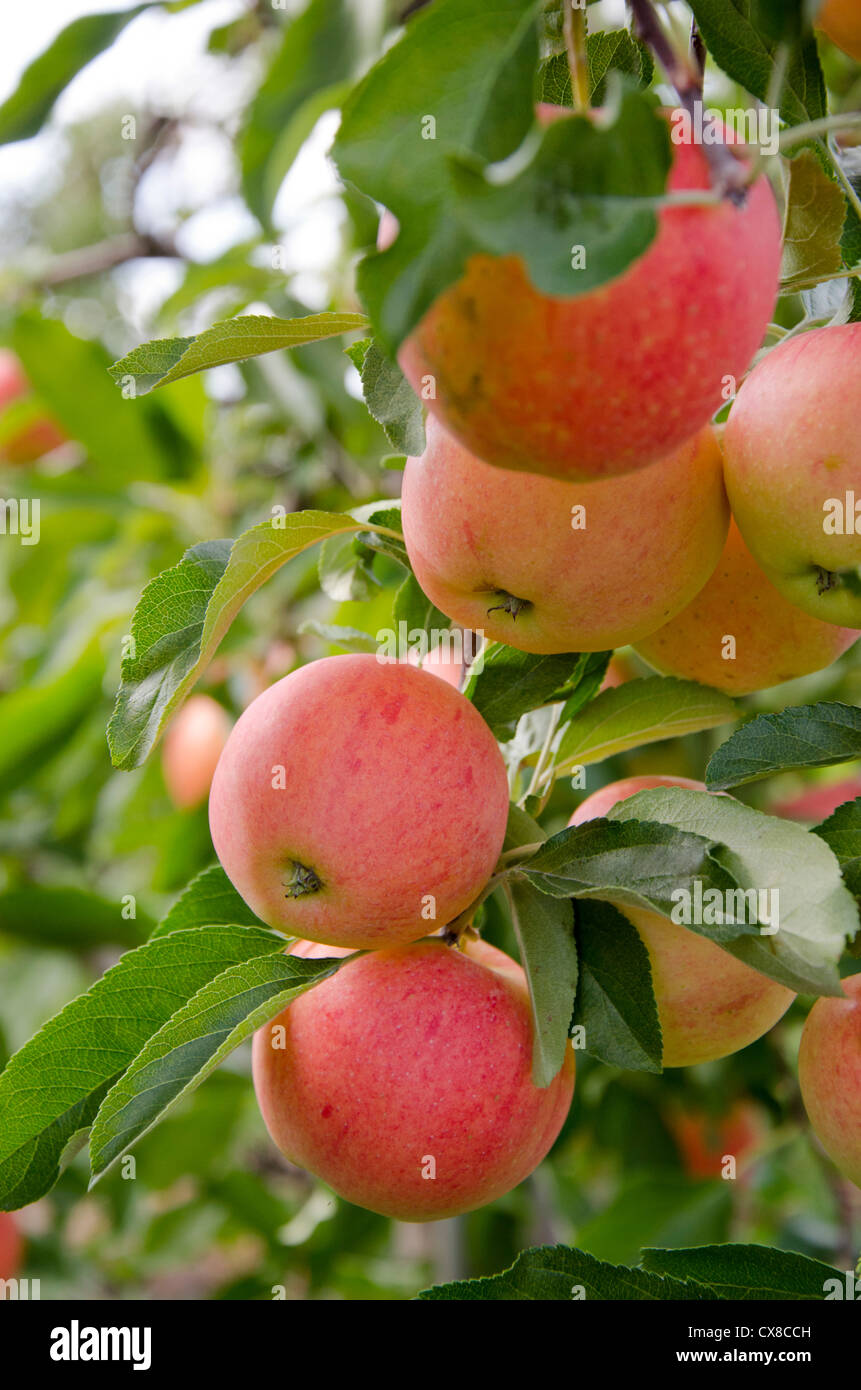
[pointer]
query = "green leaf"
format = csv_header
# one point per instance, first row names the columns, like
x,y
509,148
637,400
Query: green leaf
x,y
588,189
23,113
413,607
800,736
658,1209
511,682
746,54
585,186
746,1271
223,1013
615,1000
589,677
183,614
544,928
557,1273
471,67
640,711
383,517
813,222
317,50
817,914
37,719
637,865
209,900
842,834
232,340
348,639
73,918
419,128
614,51
344,569
389,397
71,377
52,1088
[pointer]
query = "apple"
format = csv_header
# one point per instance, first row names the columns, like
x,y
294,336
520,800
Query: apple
x,y
41,435
709,1003
829,1073
774,641
605,798
818,801
792,455
549,566
619,672
705,1140
359,803
11,1246
404,1081
193,743
841,21
442,661
588,386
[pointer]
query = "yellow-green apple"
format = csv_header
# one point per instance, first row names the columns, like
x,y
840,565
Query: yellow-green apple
x,y
592,385
829,1072
11,1246
841,21
359,802
550,566
792,456
34,439
709,1003
740,634
404,1081
193,743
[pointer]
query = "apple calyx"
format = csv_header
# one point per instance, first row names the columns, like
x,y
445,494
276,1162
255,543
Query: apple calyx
x,y
825,580
510,604
300,881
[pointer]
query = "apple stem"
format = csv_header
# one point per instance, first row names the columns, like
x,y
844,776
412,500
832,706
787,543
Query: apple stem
x,y
574,29
301,882
729,175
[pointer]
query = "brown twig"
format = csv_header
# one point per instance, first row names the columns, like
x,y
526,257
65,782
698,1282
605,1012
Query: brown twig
x,y
729,176
105,255
698,51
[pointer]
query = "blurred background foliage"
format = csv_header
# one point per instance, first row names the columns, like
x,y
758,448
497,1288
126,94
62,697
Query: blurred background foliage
x,y
223,201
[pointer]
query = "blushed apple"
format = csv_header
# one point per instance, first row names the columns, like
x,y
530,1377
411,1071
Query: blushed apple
x,y
841,21
792,453
592,385
404,1081
38,437
11,1246
709,1003
359,803
193,743
550,566
829,1073
740,634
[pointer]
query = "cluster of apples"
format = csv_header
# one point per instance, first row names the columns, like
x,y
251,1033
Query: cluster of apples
x,y
573,492
361,806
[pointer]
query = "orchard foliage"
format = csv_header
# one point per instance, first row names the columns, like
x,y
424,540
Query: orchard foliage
x,y
203,547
